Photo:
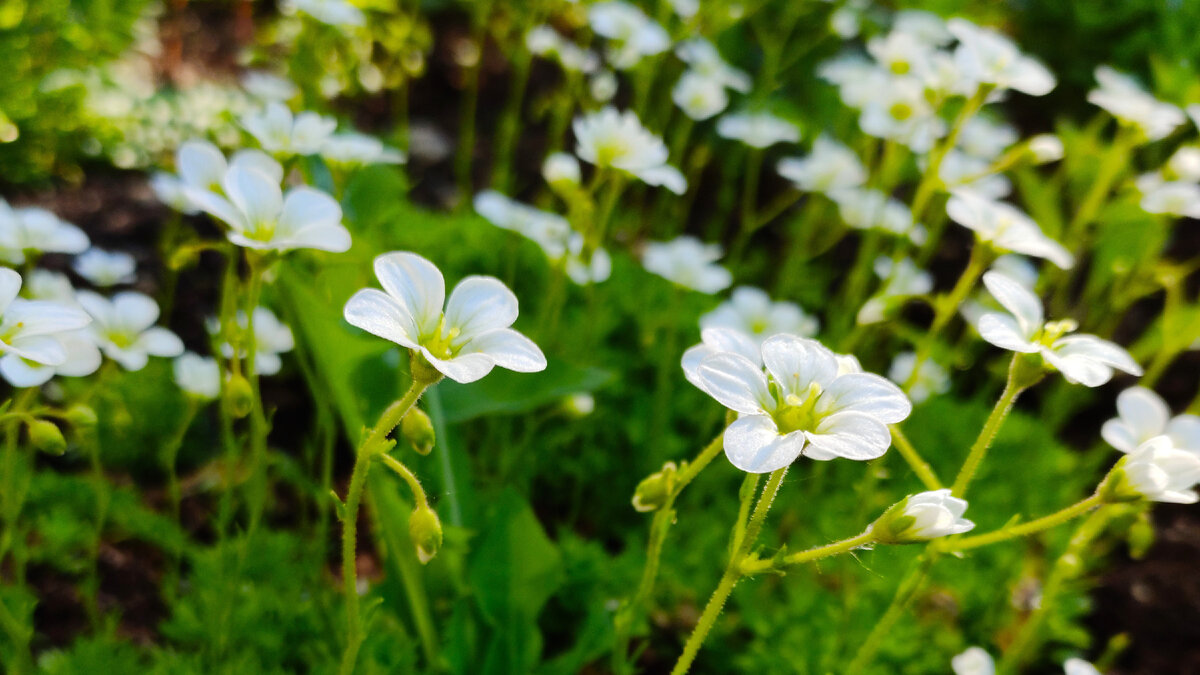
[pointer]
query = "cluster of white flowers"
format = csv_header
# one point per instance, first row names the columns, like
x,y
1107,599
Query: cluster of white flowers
x,y
550,231
1162,460
631,34
701,91
31,231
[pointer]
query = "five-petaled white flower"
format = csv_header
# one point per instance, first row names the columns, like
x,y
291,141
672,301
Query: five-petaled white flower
x,y
38,338
198,376
1126,100
1142,415
751,311
987,57
689,262
921,517
801,404
618,140
463,342
261,216
281,133
123,327
1005,228
1158,471
831,166
31,230
1082,359
699,96
632,35
757,129
560,169
105,268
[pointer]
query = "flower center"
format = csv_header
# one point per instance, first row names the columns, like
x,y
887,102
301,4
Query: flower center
x,y
900,111
440,342
798,412
1053,330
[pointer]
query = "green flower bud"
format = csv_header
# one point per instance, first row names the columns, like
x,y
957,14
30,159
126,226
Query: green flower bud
x,y
417,429
46,437
654,490
239,396
426,532
81,416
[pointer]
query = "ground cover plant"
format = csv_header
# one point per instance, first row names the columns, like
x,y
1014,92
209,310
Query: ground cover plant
x,y
368,336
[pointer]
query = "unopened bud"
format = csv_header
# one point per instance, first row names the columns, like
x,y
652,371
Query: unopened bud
x,y
652,493
579,405
921,517
239,396
417,429
561,171
426,532
46,437
81,416
1046,148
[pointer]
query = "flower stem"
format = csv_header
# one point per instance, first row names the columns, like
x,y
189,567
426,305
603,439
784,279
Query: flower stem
x,y
731,576
371,446
931,180
174,493
754,566
945,307
917,463
984,441
1024,529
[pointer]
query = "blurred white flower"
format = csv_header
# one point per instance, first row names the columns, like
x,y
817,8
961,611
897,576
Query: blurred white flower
x,y
272,337
1005,227
689,262
974,661
603,86
858,80
758,130
1158,471
750,311
1075,666
593,268
202,168
268,86
871,209
685,9
123,327
921,517
987,57
338,13
548,230
901,280
560,168
632,35
960,170
105,268
1126,100
197,375
618,140
261,216
464,342
898,109
545,41
830,166
281,133
1142,415
1046,148
172,191
1176,198
354,149
1185,164
901,53
698,96
1082,359
31,230
986,138
932,379
43,284
38,338
924,26
704,59
801,404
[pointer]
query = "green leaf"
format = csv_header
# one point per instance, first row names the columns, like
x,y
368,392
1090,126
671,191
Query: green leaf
x,y
504,391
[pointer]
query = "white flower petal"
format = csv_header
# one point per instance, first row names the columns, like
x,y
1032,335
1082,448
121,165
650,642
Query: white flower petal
x,y
464,368
1017,299
254,194
753,444
866,393
508,349
1004,332
479,305
158,341
796,362
416,283
852,435
22,373
736,382
381,314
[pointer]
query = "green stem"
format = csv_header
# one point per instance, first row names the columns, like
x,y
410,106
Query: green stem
x,y
947,305
979,448
754,566
506,135
470,104
368,450
747,221
731,576
1024,529
930,180
917,463
174,493
419,497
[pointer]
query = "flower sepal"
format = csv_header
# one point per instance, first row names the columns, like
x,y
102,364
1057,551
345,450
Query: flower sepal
x,y
654,490
1117,488
425,528
421,369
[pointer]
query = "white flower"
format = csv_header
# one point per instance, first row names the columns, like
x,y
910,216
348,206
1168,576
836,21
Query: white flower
x,y
43,284
261,216
278,132
202,168
901,53
974,661
31,230
987,57
548,230
1005,227
1046,148
986,138
1185,163
603,86
1126,100
585,270
545,41
715,341
685,9
750,311
758,130
465,341
1082,359
333,12
699,96
921,517
859,80
871,209
901,280
355,149
830,166
613,139
172,191
1161,472
1176,198
1074,666
898,109
924,26
105,268
932,379
1142,415
197,375
800,405
38,337
1015,267
268,86
123,327
632,35
960,170
689,262
561,168
704,58
272,337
